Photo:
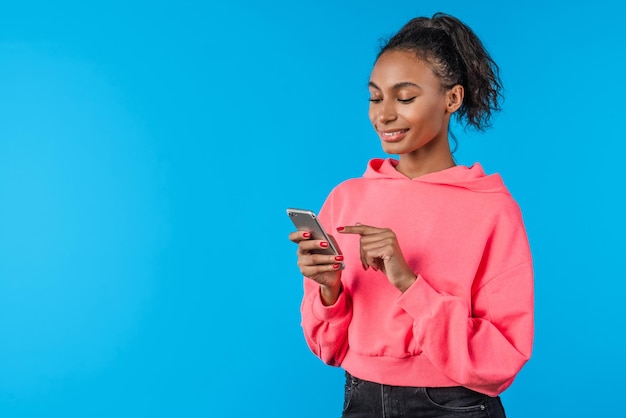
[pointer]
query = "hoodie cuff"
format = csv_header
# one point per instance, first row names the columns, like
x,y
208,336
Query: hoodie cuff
x,y
332,313
420,301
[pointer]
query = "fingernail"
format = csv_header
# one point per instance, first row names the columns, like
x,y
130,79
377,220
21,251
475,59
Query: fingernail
x,y
339,258
306,234
364,266
336,266
323,244
340,228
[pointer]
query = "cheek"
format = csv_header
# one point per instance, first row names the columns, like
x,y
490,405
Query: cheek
x,y
428,113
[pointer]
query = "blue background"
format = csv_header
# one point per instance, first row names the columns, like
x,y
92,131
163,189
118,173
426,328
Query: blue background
x,y
148,151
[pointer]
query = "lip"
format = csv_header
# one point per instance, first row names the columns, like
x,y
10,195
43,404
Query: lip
x,y
393,135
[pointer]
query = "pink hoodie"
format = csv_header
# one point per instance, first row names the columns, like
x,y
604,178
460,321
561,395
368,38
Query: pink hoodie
x,y
467,320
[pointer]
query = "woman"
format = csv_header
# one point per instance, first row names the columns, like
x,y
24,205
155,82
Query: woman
x,y
432,314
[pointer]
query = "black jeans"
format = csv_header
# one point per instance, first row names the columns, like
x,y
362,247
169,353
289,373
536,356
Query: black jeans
x,y
365,399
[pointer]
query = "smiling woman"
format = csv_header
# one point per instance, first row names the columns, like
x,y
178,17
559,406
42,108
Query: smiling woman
x,y
432,310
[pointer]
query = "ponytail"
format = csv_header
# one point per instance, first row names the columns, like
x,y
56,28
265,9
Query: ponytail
x,y
456,56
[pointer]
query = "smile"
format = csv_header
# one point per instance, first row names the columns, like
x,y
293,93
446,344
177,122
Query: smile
x,y
393,136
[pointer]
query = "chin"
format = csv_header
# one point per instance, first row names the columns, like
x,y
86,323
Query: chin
x,y
395,148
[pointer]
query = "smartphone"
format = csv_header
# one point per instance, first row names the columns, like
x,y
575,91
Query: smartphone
x,y
306,220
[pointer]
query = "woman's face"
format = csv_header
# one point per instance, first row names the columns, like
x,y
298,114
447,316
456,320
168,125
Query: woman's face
x,y
408,107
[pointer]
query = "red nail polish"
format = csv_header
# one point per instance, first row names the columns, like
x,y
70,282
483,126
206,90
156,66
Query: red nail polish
x,y
336,266
340,228
323,244
339,258
306,234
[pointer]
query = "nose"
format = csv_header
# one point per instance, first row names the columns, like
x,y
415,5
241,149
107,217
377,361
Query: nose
x,y
386,112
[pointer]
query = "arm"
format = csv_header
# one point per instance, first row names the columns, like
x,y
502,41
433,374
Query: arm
x,y
483,345
326,308
325,327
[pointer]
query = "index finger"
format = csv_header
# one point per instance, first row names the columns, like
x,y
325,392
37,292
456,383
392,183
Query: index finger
x,y
358,229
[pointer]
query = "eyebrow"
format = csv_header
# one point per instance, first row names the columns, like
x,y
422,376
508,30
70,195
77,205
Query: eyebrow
x,y
396,86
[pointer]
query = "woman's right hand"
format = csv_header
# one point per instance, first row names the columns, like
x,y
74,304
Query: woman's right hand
x,y
323,269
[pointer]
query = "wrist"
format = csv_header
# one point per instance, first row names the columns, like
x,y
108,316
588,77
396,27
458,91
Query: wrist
x,y
330,294
404,284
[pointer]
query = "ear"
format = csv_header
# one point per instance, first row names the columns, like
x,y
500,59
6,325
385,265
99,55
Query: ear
x,y
454,98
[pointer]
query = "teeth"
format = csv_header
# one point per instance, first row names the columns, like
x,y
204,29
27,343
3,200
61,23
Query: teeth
x,y
392,133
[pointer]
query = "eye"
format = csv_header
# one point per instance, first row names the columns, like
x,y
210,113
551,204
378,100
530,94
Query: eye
x,y
375,100
406,101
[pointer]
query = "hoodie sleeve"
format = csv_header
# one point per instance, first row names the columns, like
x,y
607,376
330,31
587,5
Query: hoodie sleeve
x,y
326,327
482,346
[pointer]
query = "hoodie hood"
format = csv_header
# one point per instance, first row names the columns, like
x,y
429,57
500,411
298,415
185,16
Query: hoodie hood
x,y
472,178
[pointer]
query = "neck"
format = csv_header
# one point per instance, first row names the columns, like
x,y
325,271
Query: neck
x,y
436,156
413,169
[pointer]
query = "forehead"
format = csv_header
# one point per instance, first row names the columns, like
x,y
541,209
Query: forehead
x,y
394,67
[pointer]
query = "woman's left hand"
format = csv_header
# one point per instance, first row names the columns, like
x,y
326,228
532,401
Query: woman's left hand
x,y
380,250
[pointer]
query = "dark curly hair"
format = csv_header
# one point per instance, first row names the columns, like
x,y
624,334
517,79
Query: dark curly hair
x,y
456,56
